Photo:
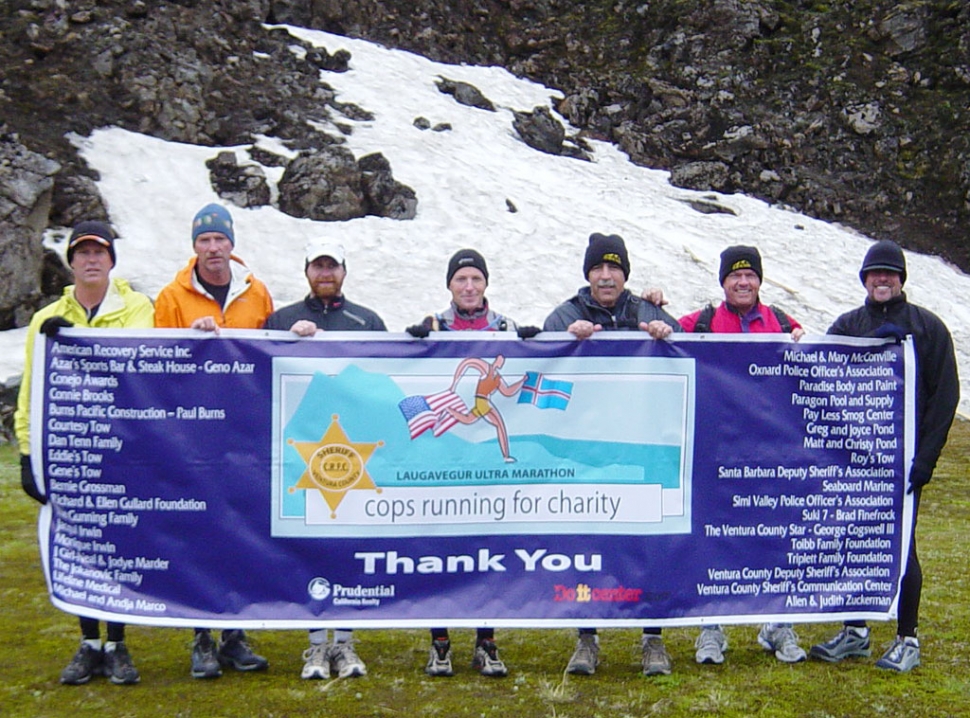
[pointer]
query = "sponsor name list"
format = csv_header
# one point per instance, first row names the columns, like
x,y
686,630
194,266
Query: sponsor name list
x,y
831,515
88,417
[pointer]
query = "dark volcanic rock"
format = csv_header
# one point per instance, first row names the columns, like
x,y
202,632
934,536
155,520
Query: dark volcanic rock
x,y
26,189
324,185
244,186
386,197
465,94
540,130
853,112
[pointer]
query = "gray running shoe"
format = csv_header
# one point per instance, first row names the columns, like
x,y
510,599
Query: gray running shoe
x,y
586,656
850,641
710,645
439,659
656,660
204,661
902,656
780,639
486,660
316,664
118,666
87,662
234,651
344,660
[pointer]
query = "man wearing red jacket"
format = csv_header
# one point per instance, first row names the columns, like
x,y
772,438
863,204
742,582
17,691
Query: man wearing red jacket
x,y
742,312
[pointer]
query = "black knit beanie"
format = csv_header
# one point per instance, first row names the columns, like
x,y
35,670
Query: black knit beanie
x,y
740,257
466,258
606,248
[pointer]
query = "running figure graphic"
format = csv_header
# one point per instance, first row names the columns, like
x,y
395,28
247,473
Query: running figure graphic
x,y
490,382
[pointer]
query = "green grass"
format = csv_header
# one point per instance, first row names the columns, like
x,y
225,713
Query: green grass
x,y
39,640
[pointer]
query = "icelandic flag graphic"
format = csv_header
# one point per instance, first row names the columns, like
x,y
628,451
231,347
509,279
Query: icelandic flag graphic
x,y
545,393
431,412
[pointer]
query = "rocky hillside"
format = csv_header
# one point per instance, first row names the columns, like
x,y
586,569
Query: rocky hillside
x,y
852,112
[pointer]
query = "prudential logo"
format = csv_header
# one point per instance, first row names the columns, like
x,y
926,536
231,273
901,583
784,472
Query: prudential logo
x,y
318,588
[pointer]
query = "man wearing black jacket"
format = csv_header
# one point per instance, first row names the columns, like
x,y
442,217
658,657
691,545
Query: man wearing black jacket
x,y
606,305
325,308
888,313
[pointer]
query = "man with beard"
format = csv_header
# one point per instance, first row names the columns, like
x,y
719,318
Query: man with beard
x,y
326,309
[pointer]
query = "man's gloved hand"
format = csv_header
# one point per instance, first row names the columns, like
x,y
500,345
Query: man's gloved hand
x,y
918,478
890,331
527,332
52,325
422,330
27,481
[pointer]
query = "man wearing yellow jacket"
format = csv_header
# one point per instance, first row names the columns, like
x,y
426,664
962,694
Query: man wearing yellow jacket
x,y
97,301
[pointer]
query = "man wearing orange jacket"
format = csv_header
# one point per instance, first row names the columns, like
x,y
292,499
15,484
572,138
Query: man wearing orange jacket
x,y
215,289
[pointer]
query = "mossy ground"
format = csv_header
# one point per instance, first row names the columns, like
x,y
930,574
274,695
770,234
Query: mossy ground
x,y
39,640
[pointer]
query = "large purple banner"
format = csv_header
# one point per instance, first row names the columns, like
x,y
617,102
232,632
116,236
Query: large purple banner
x,y
367,480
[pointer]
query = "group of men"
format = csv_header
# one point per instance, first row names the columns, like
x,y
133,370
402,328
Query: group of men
x,y
216,290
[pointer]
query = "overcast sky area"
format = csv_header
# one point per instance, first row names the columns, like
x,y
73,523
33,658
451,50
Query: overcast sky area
x,y
464,179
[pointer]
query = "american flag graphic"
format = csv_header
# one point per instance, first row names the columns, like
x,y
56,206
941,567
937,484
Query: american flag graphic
x,y
431,412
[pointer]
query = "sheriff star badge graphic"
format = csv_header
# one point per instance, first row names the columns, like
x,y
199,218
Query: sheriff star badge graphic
x,y
335,465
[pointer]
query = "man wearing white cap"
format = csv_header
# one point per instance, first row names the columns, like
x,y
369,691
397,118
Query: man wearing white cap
x,y
325,308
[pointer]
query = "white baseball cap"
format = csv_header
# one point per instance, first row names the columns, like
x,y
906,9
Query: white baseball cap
x,y
325,248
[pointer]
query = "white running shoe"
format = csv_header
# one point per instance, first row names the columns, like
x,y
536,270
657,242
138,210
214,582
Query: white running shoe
x,y
344,660
780,639
710,645
486,660
439,660
902,656
316,664
586,656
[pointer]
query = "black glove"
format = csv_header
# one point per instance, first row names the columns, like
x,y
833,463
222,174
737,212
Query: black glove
x,y
890,331
918,478
27,480
52,325
527,332
422,330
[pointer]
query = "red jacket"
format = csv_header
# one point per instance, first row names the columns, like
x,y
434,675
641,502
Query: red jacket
x,y
726,321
